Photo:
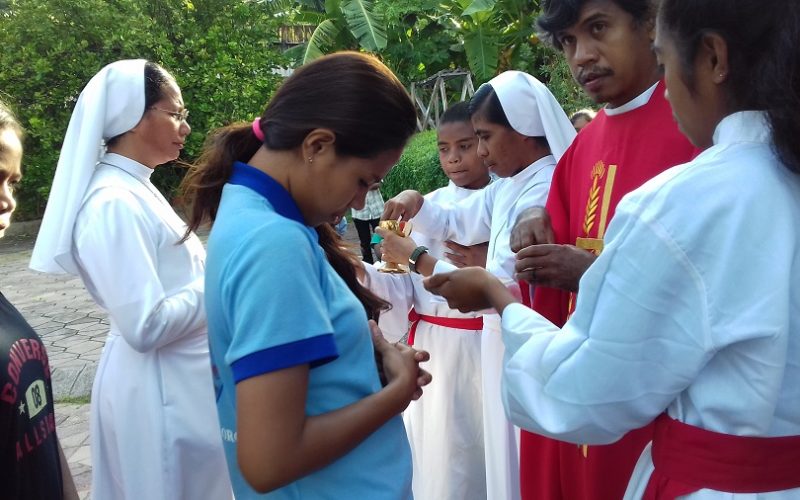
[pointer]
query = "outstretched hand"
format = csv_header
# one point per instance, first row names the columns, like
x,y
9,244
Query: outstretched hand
x,y
466,256
470,289
405,205
532,227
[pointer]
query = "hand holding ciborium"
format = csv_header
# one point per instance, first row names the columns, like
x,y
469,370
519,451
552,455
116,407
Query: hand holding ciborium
x,y
401,229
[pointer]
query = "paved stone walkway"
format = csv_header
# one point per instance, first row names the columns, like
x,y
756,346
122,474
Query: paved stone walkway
x,y
73,330
72,422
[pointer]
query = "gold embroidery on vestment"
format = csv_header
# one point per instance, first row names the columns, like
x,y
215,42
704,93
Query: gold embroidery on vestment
x,y
594,245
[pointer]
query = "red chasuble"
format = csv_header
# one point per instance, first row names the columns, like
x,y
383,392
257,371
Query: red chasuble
x,y
612,156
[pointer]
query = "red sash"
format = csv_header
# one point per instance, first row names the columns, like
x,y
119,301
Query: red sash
x,y
688,459
458,323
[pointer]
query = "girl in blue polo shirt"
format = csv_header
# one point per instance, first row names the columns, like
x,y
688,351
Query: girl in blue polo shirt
x,y
303,411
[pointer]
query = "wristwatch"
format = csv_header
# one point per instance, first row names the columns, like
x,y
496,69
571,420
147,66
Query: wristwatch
x,y
412,260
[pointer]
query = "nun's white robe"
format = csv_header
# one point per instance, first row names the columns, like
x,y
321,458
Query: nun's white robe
x,y
154,427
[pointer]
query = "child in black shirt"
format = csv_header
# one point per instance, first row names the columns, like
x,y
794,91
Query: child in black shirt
x,y
32,465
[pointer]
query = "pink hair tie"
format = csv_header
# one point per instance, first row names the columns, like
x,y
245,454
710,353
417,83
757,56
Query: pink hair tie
x,y
257,129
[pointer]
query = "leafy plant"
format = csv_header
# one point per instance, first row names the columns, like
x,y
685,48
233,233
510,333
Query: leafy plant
x,y
418,168
340,25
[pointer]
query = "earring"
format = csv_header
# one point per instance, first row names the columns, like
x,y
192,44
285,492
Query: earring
x,y
310,159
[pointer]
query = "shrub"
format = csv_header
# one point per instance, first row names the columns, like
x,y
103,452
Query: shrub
x,y
417,169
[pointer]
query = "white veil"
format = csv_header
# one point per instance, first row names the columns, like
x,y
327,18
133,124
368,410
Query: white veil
x,y
532,110
112,103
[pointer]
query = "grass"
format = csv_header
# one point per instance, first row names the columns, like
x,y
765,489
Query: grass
x,y
81,400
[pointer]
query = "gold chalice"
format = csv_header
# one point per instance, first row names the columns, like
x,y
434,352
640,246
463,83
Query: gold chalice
x,y
400,228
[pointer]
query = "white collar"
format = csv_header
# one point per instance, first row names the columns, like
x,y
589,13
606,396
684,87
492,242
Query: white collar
x,y
636,102
525,174
129,165
743,126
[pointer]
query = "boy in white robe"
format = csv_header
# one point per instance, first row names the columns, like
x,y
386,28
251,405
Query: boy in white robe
x,y
445,428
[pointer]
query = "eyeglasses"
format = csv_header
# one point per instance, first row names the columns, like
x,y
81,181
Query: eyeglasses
x,y
179,116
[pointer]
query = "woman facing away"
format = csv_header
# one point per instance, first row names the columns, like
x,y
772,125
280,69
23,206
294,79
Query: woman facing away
x,y
155,433
300,400
691,315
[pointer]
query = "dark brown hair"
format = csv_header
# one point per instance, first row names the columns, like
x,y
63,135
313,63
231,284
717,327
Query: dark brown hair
x,y
352,94
345,262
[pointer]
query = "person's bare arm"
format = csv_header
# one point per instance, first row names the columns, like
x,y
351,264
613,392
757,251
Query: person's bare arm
x,y
532,227
278,443
68,489
471,289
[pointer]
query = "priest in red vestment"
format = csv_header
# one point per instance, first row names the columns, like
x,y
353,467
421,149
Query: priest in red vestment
x,y
607,45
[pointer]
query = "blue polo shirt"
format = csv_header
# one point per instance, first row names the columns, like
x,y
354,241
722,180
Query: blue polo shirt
x,y
273,302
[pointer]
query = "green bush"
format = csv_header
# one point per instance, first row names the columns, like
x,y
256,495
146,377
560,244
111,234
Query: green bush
x,y
417,169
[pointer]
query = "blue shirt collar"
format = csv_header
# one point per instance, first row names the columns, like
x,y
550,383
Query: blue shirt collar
x,y
260,182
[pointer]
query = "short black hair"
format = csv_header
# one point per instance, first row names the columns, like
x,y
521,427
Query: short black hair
x,y
458,112
558,15
486,103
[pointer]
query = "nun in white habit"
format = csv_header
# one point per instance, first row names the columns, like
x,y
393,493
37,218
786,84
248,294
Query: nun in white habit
x,y
522,132
154,426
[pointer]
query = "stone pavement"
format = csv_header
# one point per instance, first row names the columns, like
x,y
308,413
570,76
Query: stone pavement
x,y
72,424
73,330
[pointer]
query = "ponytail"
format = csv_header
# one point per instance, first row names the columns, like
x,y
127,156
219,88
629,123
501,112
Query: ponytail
x,y
204,182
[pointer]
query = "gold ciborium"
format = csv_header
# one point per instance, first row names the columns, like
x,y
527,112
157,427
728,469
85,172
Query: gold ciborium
x,y
400,228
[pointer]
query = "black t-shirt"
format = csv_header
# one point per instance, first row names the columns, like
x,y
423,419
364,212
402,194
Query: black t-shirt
x,y
29,463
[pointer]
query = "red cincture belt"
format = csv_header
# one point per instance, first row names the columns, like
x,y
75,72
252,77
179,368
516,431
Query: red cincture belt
x,y
459,323
688,459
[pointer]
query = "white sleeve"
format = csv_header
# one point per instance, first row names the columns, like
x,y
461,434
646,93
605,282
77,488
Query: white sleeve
x,y
639,336
398,290
116,245
468,221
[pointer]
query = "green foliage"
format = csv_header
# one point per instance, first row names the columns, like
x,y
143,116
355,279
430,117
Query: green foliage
x,y
222,53
554,71
366,24
418,168
340,25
